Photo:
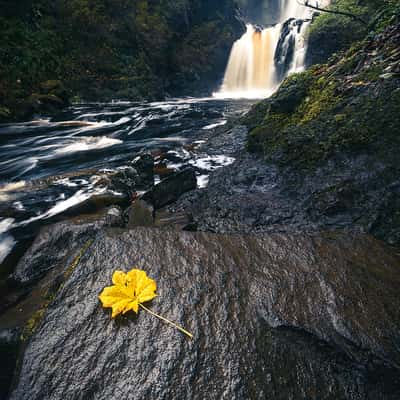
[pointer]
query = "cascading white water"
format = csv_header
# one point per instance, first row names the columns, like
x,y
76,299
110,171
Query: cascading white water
x,y
251,68
294,9
256,67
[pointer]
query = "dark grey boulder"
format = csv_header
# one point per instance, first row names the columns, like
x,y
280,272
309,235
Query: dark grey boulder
x,y
138,175
57,245
171,188
278,317
349,191
144,164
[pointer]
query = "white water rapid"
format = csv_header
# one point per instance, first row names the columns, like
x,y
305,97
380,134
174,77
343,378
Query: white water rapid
x,y
263,57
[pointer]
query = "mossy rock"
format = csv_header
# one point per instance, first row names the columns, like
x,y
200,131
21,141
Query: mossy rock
x,y
346,105
332,33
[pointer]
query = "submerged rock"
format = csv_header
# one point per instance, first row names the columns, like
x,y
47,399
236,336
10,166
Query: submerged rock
x,y
280,316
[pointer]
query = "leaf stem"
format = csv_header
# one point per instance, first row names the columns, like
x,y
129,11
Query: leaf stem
x,y
167,321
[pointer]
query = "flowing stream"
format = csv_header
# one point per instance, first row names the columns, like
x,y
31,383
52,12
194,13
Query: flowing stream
x,y
49,165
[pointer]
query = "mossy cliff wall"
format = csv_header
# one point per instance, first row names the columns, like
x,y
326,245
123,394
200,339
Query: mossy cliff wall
x,y
341,119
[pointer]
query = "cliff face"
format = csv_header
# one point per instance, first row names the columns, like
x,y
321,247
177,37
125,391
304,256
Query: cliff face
x,y
330,33
263,12
105,49
333,132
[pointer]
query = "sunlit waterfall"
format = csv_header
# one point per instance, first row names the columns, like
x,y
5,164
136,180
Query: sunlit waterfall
x,y
263,57
251,67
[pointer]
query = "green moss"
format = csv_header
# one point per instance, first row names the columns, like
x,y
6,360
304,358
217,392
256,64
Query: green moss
x,y
78,258
371,74
317,95
332,33
321,97
4,113
386,16
33,323
339,107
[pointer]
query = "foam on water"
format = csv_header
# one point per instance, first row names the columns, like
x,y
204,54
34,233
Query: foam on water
x,y
212,126
7,242
88,143
8,187
79,197
6,224
7,191
202,181
211,163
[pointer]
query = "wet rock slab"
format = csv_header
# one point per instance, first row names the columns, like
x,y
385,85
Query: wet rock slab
x,y
279,316
170,189
58,245
352,192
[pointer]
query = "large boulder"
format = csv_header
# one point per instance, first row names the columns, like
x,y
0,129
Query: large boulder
x,y
55,88
138,175
330,34
280,317
140,213
171,188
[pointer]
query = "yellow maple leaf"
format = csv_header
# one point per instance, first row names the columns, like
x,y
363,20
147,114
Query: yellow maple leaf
x,y
129,292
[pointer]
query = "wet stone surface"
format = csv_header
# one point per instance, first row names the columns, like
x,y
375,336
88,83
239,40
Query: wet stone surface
x,y
273,316
352,192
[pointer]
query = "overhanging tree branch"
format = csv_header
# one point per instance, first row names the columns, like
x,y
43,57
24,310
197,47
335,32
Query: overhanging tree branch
x,y
345,13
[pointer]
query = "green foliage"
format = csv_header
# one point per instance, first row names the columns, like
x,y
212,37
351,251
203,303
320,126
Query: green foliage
x,y
331,33
104,49
387,15
27,54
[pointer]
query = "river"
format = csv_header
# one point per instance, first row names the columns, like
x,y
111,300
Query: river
x,y
51,164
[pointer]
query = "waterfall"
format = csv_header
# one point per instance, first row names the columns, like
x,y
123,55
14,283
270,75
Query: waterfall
x,y
263,57
251,67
